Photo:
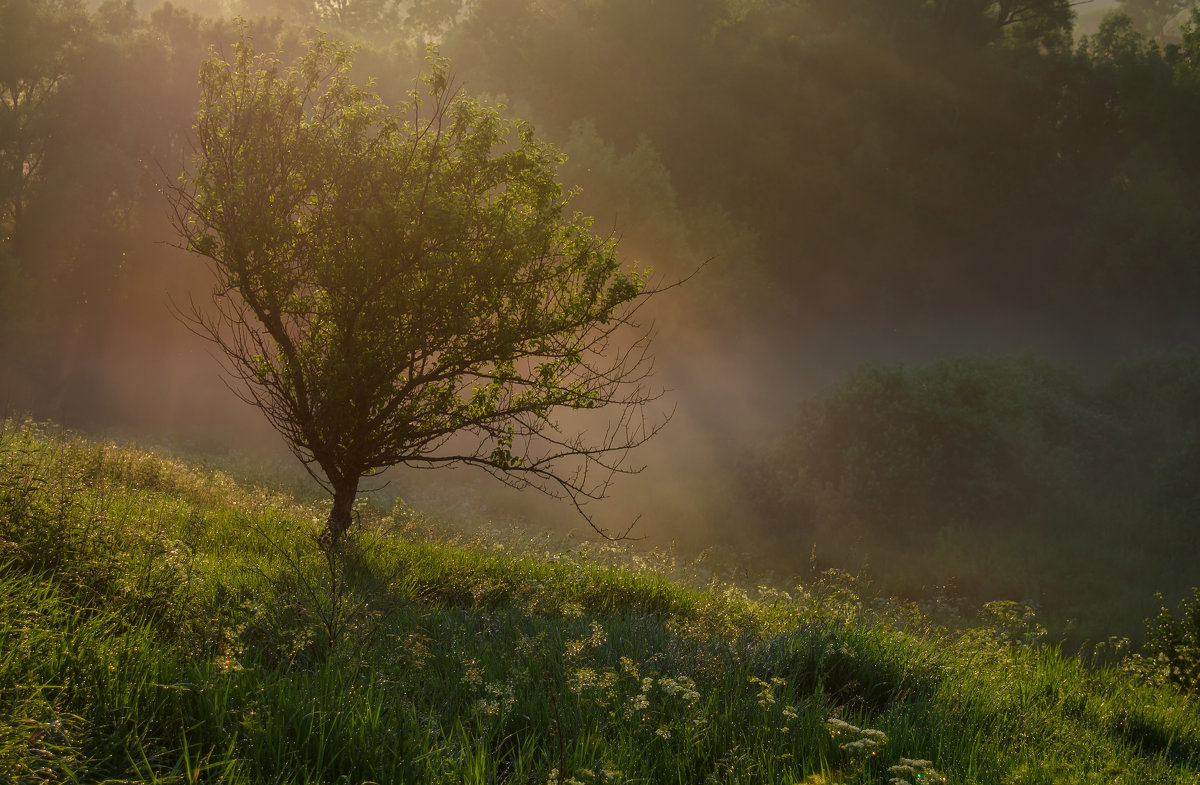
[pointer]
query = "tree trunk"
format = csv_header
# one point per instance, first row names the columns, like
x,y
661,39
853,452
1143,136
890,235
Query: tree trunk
x,y
342,514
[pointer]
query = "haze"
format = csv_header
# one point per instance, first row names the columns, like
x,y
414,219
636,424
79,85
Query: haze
x,y
997,218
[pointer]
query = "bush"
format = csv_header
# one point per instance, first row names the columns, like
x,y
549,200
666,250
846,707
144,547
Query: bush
x,y
1172,650
967,440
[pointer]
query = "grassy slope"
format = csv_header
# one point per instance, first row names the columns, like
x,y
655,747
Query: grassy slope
x,y
159,623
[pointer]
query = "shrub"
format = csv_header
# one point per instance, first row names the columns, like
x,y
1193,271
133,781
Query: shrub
x,y
966,440
1172,647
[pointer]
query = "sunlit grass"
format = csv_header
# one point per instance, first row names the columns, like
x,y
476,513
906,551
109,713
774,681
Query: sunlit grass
x,y
161,623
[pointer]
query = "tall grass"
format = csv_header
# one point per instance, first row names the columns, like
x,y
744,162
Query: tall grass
x,y
160,623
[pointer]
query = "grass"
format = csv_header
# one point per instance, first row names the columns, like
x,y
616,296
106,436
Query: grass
x,y
162,623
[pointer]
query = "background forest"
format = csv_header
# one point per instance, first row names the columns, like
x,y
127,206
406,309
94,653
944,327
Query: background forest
x,y
946,338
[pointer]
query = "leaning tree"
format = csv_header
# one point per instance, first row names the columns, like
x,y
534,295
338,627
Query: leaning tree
x,y
405,285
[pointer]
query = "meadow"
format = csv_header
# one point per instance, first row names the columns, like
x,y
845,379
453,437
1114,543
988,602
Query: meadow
x,y
161,622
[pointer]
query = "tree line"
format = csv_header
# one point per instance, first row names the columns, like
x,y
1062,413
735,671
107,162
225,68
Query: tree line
x,y
903,159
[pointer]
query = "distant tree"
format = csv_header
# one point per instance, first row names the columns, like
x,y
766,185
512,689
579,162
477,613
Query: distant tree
x,y
1188,54
404,285
295,11
431,18
1044,22
35,41
359,16
1156,18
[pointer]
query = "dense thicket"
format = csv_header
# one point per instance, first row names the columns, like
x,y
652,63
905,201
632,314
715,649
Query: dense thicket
x,y
987,440
888,154
1073,491
96,114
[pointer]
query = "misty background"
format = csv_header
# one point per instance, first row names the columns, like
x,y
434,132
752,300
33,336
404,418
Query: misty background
x,y
945,338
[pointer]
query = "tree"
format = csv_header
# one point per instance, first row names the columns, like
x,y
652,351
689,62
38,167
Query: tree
x,y
430,19
1157,19
406,286
35,41
359,16
1187,56
1043,22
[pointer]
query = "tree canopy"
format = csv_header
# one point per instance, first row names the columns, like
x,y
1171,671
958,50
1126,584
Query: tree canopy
x,y
35,38
1156,18
406,285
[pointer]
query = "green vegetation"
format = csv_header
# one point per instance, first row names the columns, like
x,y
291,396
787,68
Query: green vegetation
x,y
861,169
392,281
1008,477
160,623
936,169
1173,645
853,164
894,161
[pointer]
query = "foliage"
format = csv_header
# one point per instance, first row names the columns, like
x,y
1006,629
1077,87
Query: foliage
x,y
971,437
1044,23
404,285
36,37
894,170
1172,650
1003,476
117,96
1155,18
906,157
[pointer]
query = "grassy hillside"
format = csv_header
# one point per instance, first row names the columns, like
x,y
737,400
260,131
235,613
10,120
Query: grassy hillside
x,y
161,623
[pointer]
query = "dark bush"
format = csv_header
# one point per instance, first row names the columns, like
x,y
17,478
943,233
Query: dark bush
x,y
1173,643
964,441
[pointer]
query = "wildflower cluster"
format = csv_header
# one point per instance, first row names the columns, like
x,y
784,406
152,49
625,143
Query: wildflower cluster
x,y
602,776
1173,644
598,638
857,741
490,699
863,743
768,701
497,699
1011,625
911,771
766,693
668,704
598,685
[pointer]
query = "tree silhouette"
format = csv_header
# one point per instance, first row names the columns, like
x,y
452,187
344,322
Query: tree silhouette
x,y
405,286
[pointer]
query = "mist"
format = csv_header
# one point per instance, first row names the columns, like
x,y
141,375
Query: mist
x,y
852,187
